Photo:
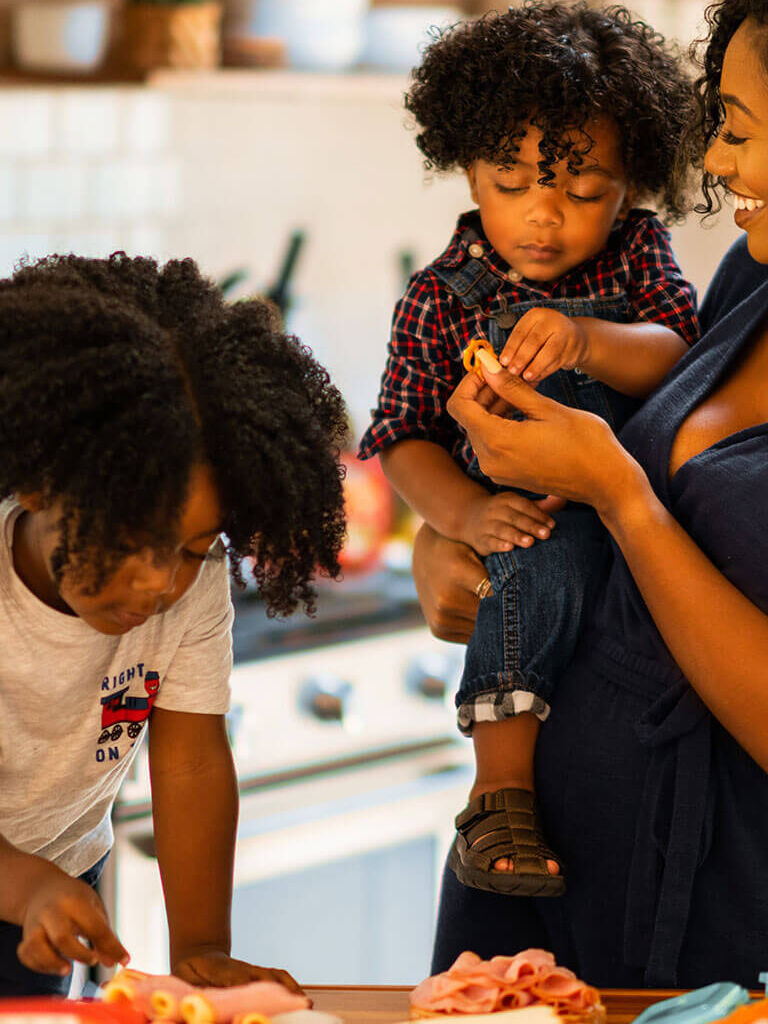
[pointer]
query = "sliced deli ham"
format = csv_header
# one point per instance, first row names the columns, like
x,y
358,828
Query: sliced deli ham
x,y
530,978
166,999
221,1005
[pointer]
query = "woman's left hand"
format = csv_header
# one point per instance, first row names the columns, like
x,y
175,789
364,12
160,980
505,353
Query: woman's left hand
x,y
556,449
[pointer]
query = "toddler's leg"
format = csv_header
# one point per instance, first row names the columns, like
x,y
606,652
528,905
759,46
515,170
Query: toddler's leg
x,y
504,760
524,637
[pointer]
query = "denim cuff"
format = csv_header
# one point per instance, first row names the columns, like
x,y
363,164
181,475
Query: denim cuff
x,y
496,705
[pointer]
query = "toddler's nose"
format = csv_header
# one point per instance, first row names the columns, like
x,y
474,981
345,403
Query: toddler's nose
x,y
544,210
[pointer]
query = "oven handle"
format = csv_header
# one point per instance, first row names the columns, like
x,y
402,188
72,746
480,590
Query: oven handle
x,y
419,806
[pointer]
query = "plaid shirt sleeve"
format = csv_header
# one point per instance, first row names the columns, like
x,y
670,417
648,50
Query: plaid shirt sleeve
x,y
419,375
657,289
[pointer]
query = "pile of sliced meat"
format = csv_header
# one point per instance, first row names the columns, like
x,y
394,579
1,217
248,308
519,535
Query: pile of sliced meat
x,y
168,999
530,978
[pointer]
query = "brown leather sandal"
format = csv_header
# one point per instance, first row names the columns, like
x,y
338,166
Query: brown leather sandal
x,y
504,824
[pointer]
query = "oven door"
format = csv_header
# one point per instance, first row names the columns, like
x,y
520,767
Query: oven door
x,y
336,873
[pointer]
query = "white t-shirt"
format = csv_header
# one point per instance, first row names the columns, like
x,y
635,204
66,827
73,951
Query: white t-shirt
x,y
74,703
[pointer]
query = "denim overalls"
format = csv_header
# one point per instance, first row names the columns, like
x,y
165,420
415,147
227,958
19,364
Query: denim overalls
x,y
526,630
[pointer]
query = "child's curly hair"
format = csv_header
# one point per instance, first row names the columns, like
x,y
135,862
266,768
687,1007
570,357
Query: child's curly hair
x,y
117,376
723,18
557,66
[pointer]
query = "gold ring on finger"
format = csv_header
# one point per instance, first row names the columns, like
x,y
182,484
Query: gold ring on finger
x,y
483,588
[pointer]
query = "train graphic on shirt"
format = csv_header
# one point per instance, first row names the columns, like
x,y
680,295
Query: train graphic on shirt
x,y
118,710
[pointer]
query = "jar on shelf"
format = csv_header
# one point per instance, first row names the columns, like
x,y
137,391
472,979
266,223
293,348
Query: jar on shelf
x,y
170,34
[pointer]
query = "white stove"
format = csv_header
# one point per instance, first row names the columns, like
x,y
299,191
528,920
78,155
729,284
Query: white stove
x,y
350,770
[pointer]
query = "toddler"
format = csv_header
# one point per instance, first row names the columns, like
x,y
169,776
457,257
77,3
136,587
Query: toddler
x,y
564,119
148,433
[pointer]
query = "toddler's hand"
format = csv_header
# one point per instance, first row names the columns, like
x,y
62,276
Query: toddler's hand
x,y
543,341
500,522
62,912
217,969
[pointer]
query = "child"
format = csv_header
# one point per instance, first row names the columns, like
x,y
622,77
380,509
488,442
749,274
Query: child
x,y
563,118
147,431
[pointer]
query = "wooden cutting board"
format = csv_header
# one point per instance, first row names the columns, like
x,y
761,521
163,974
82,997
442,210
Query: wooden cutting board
x,y
385,1005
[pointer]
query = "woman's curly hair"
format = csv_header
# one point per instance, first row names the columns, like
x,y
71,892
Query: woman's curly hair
x,y
117,376
557,66
723,19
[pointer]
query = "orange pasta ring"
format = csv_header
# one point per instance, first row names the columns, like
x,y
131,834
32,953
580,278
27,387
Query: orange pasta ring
x,y
469,355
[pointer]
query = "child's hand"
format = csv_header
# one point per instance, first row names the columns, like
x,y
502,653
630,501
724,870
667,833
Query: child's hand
x,y
543,341
62,912
216,969
500,522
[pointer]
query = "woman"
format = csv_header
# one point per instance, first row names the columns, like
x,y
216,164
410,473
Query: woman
x,y
651,770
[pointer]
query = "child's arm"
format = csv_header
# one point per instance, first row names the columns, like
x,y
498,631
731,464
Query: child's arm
x,y
434,486
632,358
194,803
54,912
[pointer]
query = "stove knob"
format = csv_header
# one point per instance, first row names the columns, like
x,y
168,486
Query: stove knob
x,y
325,697
429,677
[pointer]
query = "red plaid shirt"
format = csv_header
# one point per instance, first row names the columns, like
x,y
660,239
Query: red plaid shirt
x,y
431,327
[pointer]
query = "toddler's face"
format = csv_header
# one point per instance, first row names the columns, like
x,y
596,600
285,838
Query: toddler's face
x,y
543,231
142,585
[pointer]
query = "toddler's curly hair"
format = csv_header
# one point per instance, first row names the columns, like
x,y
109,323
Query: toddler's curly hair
x,y
723,18
117,376
558,66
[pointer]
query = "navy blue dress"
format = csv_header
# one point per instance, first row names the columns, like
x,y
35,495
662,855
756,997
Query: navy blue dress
x,y
661,817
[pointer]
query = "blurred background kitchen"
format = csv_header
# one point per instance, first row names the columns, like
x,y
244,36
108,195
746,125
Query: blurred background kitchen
x,y
267,139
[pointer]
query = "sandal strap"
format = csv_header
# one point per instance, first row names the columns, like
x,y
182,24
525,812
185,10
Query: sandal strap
x,y
505,823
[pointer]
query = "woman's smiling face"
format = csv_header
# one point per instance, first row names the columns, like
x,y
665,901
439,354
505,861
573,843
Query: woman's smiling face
x,y
739,154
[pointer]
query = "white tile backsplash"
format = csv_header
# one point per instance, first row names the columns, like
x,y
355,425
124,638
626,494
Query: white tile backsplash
x,y
146,123
126,188
52,192
15,246
8,193
224,174
88,122
94,243
26,120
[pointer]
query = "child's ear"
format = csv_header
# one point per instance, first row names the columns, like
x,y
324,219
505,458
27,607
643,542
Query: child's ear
x,y
471,173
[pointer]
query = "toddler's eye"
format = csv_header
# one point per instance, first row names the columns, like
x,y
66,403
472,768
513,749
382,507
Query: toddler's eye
x,y
586,199
729,138
511,190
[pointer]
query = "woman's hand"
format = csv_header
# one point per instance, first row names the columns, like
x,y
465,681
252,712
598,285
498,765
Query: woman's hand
x,y
556,449
447,575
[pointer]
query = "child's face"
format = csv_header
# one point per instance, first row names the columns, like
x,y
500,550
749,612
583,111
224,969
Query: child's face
x,y
739,154
141,586
543,231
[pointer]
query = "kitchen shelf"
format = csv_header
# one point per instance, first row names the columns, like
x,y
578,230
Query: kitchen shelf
x,y
281,83
238,83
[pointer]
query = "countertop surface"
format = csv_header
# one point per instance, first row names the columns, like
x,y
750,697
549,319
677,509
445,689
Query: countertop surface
x,y
385,1005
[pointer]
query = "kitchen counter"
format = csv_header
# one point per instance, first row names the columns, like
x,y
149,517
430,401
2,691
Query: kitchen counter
x,y
385,1005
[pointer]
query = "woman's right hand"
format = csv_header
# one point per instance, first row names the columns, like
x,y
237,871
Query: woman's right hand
x,y
447,574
